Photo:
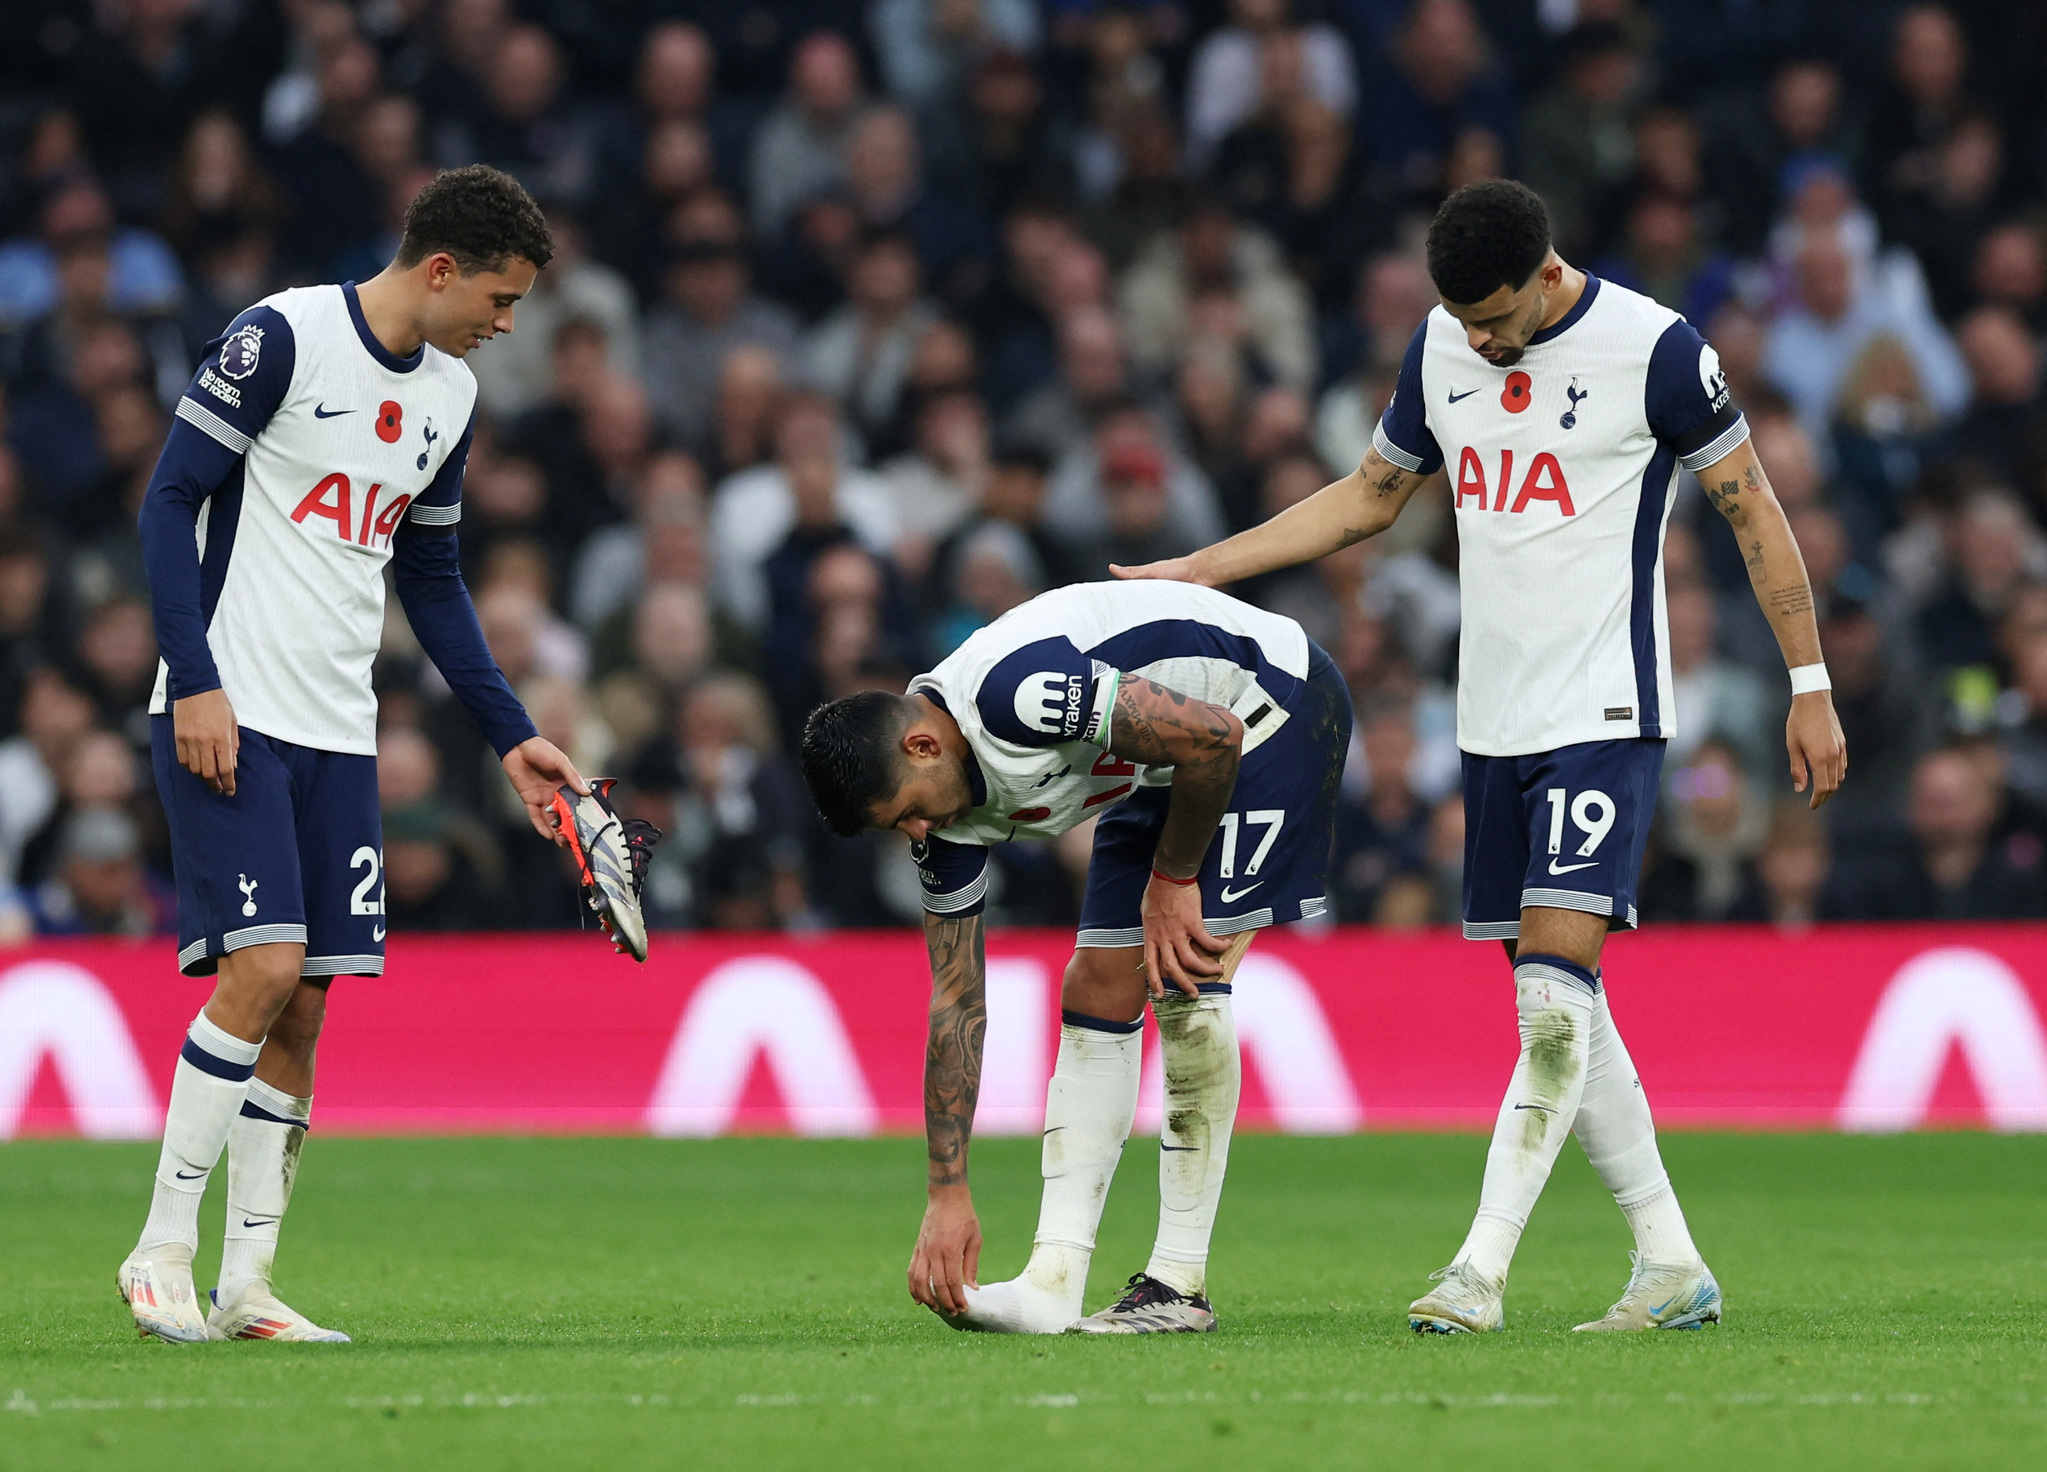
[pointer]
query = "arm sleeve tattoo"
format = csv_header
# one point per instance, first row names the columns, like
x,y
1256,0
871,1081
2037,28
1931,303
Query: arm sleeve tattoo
x,y
1203,744
952,1054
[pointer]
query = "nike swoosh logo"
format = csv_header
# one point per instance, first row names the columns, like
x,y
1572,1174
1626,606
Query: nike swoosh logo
x,y
1231,896
1663,1305
1465,395
268,1221
1184,1149
321,411
1538,1108
190,1175
377,934
1571,868
1055,1129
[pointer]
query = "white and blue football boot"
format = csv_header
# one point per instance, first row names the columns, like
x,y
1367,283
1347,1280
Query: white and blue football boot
x,y
1468,1302
1663,1295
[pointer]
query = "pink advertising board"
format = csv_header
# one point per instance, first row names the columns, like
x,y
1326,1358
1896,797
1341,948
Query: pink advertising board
x,y
1866,1028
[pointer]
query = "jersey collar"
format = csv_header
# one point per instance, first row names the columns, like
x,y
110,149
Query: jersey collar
x,y
1564,323
369,339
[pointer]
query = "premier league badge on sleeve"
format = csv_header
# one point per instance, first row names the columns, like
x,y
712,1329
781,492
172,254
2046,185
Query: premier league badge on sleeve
x,y
241,352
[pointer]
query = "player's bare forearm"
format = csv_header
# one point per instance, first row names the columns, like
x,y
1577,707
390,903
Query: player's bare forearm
x,y
1740,491
952,1052
1346,511
1202,743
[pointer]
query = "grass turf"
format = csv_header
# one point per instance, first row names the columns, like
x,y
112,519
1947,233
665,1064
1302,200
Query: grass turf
x,y
627,1303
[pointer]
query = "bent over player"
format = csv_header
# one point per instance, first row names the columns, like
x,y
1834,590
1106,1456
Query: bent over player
x,y
1209,736
1563,409
324,436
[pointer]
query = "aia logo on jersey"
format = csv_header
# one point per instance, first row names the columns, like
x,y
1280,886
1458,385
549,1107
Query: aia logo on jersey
x,y
333,500
1543,481
1110,765
390,421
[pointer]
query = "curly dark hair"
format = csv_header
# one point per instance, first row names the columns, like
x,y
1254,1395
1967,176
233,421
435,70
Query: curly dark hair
x,y
1487,235
479,215
850,757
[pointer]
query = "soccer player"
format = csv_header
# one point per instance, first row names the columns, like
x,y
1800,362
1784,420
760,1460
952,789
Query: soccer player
x,y
1562,409
1209,736
323,436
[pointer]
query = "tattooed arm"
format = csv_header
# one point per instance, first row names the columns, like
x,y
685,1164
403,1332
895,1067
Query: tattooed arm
x,y
1741,492
948,1252
1202,743
1362,504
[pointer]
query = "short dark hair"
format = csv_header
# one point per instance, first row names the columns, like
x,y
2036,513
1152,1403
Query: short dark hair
x,y
1487,235
479,215
850,758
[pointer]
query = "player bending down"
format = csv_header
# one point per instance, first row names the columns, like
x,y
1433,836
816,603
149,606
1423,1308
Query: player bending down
x,y
1567,407
1210,737
324,435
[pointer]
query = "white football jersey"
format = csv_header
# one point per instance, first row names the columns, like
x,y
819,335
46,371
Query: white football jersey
x,y
342,442
1032,693
1563,469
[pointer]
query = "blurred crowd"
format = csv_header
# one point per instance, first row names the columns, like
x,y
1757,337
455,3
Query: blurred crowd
x,y
870,320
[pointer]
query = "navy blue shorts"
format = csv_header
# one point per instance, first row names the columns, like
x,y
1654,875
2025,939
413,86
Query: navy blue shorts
x,y
297,854
1269,862
1562,829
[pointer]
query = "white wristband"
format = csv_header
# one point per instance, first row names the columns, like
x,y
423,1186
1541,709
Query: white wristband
x,y
1807,678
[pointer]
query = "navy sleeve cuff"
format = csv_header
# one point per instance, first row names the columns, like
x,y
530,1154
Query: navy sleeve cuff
x,y
954,877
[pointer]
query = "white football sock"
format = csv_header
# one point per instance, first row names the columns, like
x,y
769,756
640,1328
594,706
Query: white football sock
x,y
1204,1074
262,1162
1554,998
207,1090
1088,1109
1619,1136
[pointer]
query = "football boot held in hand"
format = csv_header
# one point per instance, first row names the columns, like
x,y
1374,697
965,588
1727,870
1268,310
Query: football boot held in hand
x,y
612,854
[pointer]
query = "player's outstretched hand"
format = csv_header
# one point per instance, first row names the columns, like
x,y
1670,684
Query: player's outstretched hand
x,y
208,737
537,768
1172,569
948,1255
1177,946
1819,753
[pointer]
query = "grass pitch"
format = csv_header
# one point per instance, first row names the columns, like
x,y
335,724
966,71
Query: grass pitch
x,y
740,1303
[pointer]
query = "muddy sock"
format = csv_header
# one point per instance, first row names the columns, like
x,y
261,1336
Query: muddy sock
x,y
1088,1109
1555,1000
1204,1073
262,1162
1619,1135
